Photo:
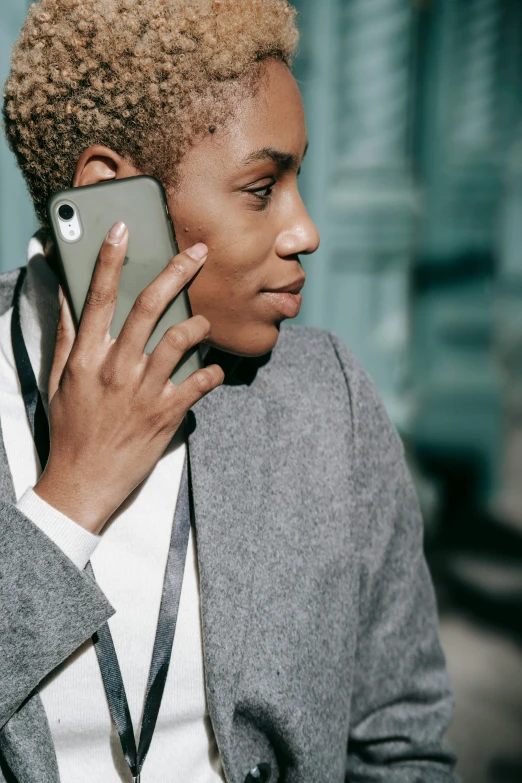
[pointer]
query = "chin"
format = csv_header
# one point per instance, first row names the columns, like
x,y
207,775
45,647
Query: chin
x,y
253,341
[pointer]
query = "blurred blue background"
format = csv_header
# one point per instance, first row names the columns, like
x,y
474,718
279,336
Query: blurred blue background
x,y
414,178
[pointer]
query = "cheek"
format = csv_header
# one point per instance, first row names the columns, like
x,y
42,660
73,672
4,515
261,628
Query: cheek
x,y
239,265
230,279
226,290
235,270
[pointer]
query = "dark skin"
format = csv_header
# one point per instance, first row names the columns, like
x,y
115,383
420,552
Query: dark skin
x,y
237,201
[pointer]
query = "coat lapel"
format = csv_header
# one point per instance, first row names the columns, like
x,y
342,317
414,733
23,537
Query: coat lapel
x,y
7,490
229,453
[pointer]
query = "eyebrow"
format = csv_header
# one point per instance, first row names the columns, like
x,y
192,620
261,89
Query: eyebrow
x,y
286,161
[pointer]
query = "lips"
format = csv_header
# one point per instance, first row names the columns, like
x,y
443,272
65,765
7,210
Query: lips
x,y
290,288
286,299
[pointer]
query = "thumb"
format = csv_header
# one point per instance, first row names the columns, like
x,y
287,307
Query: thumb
x,y
65,336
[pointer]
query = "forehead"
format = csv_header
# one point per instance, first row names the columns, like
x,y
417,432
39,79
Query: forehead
x,y
274,116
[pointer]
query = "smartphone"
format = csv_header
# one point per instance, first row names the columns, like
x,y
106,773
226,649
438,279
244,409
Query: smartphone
x,y
80,219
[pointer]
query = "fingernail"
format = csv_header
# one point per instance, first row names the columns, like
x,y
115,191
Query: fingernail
x,y
198,252
60,296
116,233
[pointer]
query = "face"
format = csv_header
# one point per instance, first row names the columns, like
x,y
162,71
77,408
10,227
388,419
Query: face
x,y
238,194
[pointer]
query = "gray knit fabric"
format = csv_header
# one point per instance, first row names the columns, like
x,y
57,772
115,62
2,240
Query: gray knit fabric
x,y
319,621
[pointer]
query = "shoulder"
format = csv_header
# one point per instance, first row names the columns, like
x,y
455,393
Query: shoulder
x,y
7,286
316,367
312,359
317,355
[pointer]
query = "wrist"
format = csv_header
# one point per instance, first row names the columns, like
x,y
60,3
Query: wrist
x,y
73,500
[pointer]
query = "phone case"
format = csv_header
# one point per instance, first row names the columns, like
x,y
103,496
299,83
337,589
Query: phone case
x,y
142,205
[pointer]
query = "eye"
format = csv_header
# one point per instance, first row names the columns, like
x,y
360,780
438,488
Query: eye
x,y
262,194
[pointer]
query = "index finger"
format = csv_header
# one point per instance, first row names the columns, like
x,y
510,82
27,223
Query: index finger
x,y
100,301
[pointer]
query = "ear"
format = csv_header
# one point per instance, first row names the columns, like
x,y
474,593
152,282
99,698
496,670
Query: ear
x,y
99,163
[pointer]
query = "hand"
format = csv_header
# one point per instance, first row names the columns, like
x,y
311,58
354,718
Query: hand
x,y
112,409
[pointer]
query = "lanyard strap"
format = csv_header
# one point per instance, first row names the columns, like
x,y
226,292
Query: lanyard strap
x,y
32,398
103,642
161,653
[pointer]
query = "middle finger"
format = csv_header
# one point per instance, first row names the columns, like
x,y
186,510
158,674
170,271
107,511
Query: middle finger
x,y
154,299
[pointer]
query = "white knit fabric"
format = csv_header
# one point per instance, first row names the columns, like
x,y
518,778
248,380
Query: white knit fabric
x,y
76,542
128,559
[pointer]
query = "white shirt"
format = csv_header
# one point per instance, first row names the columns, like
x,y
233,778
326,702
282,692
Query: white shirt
x,y
128,559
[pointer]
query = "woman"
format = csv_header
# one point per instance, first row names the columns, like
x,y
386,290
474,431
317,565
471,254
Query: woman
x,y
306,643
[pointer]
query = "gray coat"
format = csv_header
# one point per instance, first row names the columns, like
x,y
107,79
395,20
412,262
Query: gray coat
x,y
319,622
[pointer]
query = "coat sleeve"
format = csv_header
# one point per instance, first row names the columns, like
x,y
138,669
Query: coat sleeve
x,y
402,701
48,608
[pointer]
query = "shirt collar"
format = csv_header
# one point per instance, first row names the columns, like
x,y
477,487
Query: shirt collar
x,y
39,311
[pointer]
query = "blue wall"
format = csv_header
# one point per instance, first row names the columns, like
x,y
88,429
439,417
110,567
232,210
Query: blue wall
x,y
413,178
17,218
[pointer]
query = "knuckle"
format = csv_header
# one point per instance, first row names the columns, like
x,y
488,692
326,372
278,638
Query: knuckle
x,y
177,338
177,268
98,298
109,378
77,364
147,303
203,381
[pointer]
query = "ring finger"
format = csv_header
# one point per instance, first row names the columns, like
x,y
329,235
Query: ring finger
x,y
174,344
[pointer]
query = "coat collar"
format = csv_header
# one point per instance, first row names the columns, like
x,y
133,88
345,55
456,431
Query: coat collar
x,y
39,310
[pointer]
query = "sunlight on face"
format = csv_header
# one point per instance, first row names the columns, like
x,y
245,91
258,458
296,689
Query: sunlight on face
x,y
238,194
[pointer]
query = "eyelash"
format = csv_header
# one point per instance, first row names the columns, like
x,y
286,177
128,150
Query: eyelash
x,y
263,199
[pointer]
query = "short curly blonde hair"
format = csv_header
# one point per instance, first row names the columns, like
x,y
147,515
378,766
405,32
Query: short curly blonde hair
x,y
144,77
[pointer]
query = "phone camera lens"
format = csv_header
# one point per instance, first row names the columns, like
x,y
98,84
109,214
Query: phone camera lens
x,y
66,211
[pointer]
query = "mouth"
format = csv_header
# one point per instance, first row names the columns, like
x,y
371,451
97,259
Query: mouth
x,y
285,299
293,287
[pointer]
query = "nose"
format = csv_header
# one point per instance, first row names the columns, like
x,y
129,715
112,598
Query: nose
x,y
299,235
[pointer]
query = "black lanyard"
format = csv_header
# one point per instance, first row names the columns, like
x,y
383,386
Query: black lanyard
x,y
168,612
